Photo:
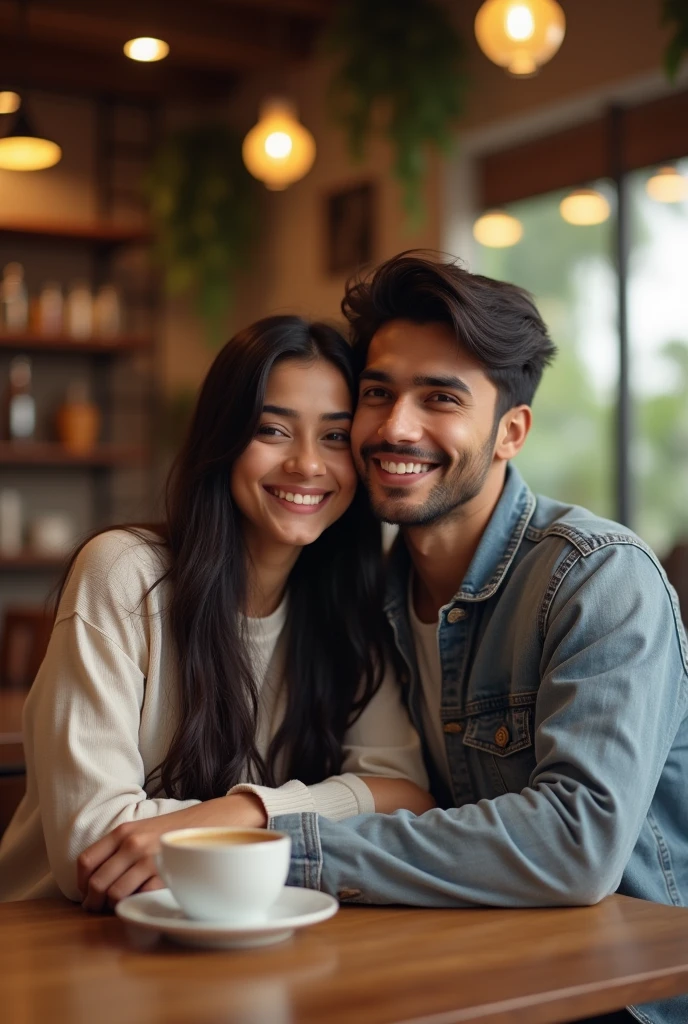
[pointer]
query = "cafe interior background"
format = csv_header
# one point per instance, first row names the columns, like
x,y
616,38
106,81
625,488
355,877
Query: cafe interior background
x,y
271,149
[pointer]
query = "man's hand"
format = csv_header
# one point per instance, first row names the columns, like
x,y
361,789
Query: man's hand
x,y
123,862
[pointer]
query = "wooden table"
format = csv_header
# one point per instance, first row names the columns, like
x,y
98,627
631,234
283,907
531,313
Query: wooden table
x,y
367,965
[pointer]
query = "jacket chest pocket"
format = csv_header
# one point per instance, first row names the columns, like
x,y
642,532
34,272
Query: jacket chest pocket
x,y
502,738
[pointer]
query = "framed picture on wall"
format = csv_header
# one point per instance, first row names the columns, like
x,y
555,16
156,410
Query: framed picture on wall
x,y
350,217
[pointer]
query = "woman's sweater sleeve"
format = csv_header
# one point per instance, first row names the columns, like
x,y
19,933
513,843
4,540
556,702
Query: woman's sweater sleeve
x,y
81,729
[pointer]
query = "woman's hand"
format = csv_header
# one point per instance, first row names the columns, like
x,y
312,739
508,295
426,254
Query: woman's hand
x,y
123,862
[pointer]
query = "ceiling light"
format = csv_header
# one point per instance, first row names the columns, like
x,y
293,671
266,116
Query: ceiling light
x,y
520,35
667,185
278,150
584,206
497,230
10,101
23,150
146,49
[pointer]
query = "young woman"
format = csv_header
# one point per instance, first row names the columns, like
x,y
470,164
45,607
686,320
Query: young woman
x,y
217,670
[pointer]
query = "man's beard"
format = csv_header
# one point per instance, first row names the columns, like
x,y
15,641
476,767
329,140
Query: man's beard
x,y
460,486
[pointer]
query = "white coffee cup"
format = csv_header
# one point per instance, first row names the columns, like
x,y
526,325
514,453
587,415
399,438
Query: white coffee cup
x,y
227,874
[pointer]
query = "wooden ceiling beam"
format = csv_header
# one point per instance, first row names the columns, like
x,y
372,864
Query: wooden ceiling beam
x,y
42,66
201,34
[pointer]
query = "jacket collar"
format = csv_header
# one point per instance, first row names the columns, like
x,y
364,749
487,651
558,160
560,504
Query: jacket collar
x,y
495,553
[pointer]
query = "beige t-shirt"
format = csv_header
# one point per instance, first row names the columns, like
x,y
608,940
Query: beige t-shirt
x,y
103,709
426,643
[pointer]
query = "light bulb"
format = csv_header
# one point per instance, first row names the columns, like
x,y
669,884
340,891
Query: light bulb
x,y
146,49
520,35
667,185
9,101
584,207
278,150
497,230
519,22
278,145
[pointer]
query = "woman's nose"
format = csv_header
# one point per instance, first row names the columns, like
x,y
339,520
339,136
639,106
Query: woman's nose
x,y
306,462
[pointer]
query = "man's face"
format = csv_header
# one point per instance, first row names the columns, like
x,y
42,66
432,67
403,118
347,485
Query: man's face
x,y
424,431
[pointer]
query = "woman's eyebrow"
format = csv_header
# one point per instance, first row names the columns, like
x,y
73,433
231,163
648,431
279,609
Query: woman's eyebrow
x,y
282,410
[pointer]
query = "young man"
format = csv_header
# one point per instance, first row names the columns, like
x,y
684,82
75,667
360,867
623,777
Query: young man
x,y
547,669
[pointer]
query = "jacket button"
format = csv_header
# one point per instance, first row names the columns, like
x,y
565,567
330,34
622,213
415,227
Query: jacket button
x,y
455,615
501,737
453,727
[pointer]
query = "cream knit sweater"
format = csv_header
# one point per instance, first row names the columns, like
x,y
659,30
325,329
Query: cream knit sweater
x,y
103,709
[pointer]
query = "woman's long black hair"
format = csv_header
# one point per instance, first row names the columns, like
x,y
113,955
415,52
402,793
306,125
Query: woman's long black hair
x,y
337,640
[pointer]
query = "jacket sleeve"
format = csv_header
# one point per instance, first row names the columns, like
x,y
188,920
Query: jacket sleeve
x,y
612,694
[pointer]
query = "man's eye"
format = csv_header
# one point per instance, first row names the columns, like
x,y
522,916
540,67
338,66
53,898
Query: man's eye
x,y
447,399
374,393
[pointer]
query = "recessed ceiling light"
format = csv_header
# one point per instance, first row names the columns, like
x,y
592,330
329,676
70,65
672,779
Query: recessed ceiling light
x,y
146,48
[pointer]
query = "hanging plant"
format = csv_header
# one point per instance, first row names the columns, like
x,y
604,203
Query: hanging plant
x,y
675,14
204,211
402,60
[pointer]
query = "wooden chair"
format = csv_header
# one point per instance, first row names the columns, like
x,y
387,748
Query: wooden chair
x,y
25,636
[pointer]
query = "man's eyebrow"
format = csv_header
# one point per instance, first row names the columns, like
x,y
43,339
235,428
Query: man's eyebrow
x,y
449,381
419,381
282,410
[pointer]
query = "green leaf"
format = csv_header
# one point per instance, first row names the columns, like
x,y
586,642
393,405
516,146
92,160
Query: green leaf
x,y
203,205
403,57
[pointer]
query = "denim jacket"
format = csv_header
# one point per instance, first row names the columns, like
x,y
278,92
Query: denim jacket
x,y
565,711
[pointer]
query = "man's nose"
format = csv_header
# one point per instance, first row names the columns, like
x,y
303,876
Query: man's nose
x,y
403,425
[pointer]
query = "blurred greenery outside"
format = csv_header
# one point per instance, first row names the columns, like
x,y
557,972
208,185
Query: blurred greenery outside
x,y
570,454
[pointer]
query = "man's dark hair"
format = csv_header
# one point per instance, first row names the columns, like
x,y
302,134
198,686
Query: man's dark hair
x,y
497,322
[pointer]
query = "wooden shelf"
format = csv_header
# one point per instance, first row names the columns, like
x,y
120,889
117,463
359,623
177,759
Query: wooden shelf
x,y
50,453
63,231
123,345
29,561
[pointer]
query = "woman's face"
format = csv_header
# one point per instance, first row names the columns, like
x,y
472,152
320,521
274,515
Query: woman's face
x,y
297,476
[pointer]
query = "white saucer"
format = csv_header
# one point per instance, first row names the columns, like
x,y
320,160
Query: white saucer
x,y
159,911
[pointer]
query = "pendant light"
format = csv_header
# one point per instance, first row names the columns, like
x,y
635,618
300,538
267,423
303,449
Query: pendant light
x,y
146,49
667,185
22,149
497,229
10,101
278,150
520,35
584,207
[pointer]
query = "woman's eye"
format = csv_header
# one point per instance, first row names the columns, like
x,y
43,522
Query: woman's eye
x,y
265,430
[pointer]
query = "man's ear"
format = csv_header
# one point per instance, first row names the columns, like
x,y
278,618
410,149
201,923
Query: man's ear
x,y
512,432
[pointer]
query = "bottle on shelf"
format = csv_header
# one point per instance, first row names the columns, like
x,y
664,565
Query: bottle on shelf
x,y
20,415
107,312
15,299
78,420
79,311
50,309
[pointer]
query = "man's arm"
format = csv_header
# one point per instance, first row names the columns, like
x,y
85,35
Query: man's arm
x,y
613,693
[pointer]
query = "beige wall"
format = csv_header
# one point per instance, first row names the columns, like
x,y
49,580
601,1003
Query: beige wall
x,y
607,42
